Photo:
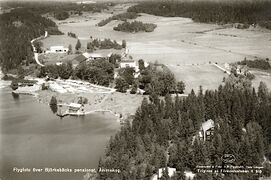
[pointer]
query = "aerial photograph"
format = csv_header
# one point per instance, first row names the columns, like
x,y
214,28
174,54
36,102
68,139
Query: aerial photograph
x,y
135,90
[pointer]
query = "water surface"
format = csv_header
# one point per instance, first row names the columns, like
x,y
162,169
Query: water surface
x,y
31,136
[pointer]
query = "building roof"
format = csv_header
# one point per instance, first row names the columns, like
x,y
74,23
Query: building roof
x,y
127,61
57,47
80,58
75,105
207,125
97,55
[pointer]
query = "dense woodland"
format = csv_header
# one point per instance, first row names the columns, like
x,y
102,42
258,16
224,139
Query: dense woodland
x,y
135,26
18,28
258,64
43,7
221,12
121,17
159,127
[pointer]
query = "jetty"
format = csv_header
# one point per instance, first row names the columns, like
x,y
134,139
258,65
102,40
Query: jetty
x,y
73,109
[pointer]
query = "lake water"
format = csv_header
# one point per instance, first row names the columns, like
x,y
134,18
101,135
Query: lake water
x,y
31,136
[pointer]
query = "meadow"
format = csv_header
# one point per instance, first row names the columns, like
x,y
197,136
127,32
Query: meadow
x,y
177,42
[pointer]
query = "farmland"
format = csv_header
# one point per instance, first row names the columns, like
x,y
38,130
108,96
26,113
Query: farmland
x,y
175,42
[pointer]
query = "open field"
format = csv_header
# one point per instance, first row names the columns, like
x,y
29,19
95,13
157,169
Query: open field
x,y
178,41
208,76
261,76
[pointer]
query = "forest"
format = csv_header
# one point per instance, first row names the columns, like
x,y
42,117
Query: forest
x,y
43,7
258,64
135,26
170,126
18,28
121,17
220,12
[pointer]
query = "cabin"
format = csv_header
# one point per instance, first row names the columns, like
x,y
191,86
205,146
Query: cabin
x,y
75,108
57,49
206,130
171,173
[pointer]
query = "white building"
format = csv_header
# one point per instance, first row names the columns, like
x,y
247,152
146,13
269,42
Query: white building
x,y
171,172
189,175
130,63
57,49
206,129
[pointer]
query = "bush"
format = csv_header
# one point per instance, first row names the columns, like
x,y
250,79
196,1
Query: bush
x,y
44,87
14,85
62,15
53,101
121,85
73,35
134,89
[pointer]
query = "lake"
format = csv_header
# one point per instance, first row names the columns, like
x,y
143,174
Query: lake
x,y
31,136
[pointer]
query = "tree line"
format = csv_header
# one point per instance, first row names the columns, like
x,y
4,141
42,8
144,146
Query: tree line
x,y
153,80
170,126
221,12
99,72
258,63
59,7
105,44
121,17
135,26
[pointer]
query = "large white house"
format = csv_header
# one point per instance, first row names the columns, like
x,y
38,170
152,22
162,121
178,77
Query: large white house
x,y
132,64
57,49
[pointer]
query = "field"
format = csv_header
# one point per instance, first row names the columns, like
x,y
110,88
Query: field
x,y
208,76
176,42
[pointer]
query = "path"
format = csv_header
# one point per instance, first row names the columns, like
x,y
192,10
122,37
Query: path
x,y
36,55
223,69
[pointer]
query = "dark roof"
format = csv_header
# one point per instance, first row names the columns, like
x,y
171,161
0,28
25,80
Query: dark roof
x,y
80,58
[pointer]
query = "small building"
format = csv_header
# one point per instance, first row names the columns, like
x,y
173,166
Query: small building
x,y
59,63
171,173
78,59
76,109
189,175
57,49
206,130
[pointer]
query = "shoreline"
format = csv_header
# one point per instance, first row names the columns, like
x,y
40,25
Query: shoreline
x,y
97,100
